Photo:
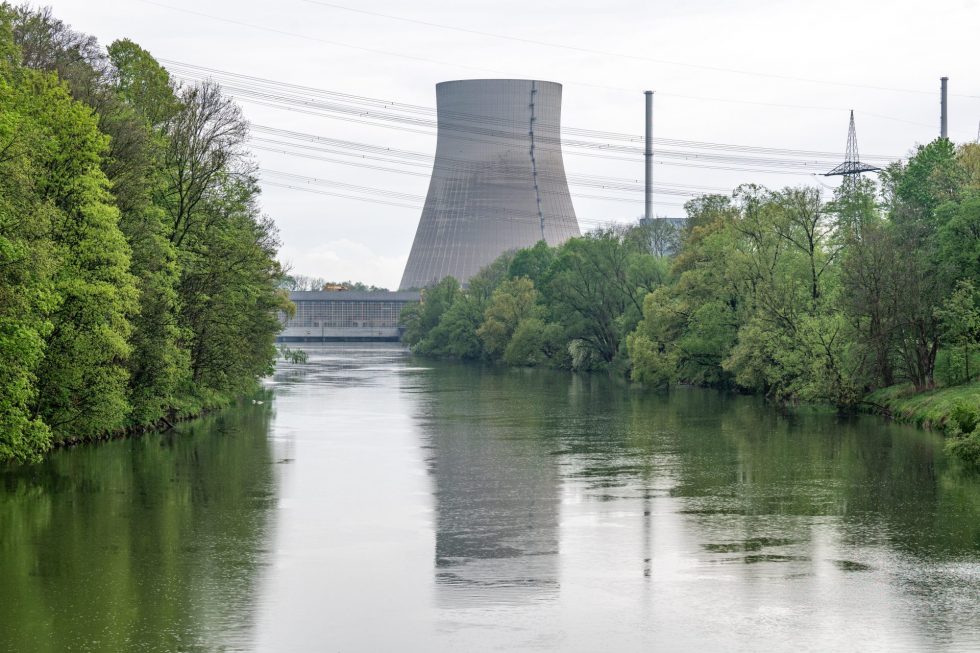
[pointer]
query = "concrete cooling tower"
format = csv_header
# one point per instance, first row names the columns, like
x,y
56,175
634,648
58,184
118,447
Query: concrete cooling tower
x,y
498,182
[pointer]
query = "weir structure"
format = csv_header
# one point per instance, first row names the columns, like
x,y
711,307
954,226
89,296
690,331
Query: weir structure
x,y
498,182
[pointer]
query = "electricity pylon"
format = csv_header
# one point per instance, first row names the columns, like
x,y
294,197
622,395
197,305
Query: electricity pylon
x,y
852,167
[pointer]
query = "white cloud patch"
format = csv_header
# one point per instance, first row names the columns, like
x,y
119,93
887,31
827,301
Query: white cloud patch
x,y
344,259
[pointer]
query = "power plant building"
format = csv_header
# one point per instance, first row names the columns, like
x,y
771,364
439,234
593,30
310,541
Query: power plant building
x,y
498,182
345,316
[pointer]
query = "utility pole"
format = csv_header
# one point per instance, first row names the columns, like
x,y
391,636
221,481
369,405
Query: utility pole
x,y
943,108
648,159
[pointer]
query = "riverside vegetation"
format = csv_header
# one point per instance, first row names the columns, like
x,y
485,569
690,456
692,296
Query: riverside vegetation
x,y
868,301
138,278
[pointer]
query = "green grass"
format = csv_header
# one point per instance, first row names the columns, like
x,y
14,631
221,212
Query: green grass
x,y
930,409
954,410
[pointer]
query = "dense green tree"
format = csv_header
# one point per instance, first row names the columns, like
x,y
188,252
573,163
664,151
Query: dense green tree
x,y
456,334
420,319
27,264
690,325
595,290
229,289
535,342
137,275
868,280
160,361
754,301
81,383
513,301
921,194
960,319
143,83
532,262
958,237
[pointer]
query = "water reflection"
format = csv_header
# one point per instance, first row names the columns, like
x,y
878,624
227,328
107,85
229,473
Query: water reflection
x,y
496,486
152,544
659,511
388,503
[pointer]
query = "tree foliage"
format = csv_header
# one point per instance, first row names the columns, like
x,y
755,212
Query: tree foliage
x,y
569,306
137,276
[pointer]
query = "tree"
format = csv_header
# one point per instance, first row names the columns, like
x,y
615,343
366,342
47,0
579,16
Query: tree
x,y
143,83
532,262
229,289
456,333
917,191
513,301
27,265
958,237
535,342
661,234
868,278
960,319
420,319
205,140
689,326
82,380
160,362
103,323
596,286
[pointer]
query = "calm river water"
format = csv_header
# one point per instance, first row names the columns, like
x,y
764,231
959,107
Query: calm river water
x,y
376,502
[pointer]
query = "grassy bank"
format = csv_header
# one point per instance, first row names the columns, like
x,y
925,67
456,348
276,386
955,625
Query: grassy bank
x,y
955,411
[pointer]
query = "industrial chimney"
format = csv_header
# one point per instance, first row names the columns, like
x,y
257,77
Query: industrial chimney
x,y
943,107
498,182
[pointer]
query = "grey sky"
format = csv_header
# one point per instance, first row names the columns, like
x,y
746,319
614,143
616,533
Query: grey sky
x,y
860,45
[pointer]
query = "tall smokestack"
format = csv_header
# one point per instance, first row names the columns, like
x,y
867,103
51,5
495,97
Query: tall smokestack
x,y
648,159
943,110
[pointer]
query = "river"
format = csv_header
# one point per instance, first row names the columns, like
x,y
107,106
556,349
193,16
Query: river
x,y
371,501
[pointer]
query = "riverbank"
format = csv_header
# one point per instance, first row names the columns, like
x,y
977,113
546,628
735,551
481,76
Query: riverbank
x,y
954,411
190,409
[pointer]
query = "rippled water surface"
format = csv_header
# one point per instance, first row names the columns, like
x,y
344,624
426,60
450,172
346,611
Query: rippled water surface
x,y
370,501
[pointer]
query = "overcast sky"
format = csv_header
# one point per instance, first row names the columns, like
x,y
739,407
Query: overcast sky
x,y
884,60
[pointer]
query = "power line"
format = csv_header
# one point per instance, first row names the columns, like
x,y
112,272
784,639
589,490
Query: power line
x,y
199,73
391,155
341,44
632,136
622,55
427,125
395,195
372,199
589,181
484,69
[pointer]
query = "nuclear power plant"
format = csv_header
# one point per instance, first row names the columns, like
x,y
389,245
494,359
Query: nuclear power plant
x,y
498,182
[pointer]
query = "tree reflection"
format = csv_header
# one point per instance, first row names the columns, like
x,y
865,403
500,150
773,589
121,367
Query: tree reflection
x,y
152,543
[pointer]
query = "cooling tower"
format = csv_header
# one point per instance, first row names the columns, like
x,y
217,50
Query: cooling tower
x,y
498,182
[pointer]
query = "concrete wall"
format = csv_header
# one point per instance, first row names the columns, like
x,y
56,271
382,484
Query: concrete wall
x,y
338,334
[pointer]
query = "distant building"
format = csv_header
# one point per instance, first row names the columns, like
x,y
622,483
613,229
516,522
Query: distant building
x,y
325,316
664,233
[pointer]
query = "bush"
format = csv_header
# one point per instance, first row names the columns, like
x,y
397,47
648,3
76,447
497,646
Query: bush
x,y
966,448
963,418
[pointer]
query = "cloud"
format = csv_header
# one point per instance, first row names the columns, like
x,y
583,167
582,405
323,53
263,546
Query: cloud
x,y
344,259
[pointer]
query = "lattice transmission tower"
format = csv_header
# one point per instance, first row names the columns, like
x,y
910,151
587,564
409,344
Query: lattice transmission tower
x,y
852,167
